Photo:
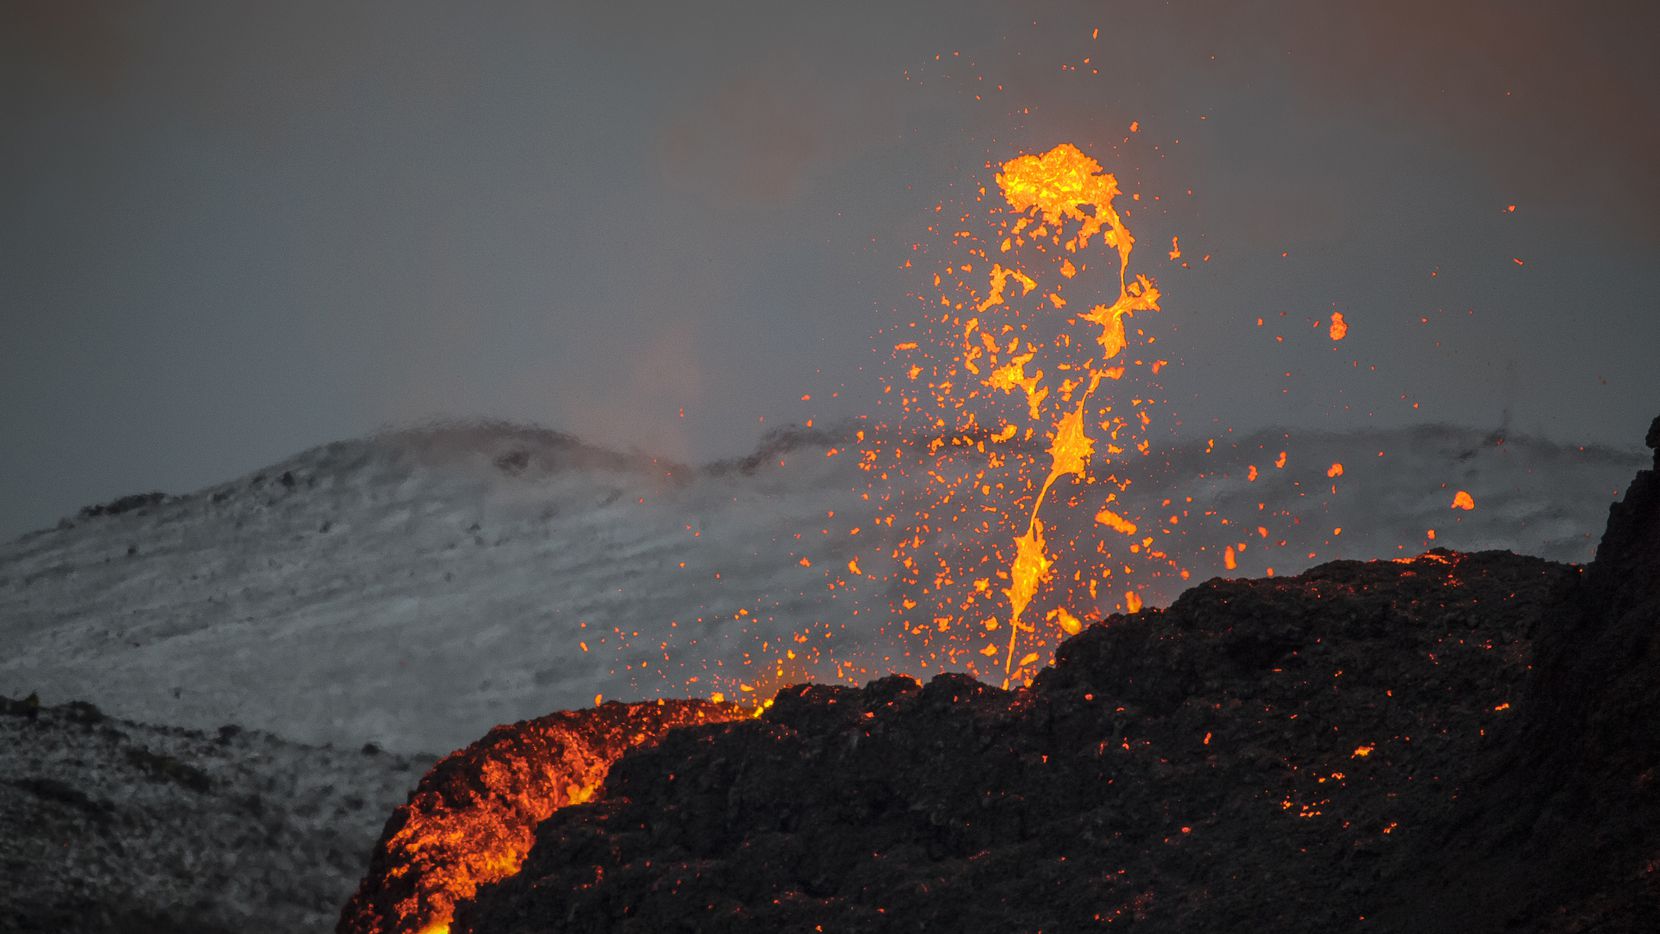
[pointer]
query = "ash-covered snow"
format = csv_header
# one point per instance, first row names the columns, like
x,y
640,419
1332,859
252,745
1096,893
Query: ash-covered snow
x,y
109,825
415,588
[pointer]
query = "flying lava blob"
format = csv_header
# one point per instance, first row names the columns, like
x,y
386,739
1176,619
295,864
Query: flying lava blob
x,y
1339,328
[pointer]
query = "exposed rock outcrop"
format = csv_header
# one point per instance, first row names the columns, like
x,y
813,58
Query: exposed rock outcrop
x,y
1563,834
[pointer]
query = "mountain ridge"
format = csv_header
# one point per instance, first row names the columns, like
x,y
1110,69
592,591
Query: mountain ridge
x,y
323,596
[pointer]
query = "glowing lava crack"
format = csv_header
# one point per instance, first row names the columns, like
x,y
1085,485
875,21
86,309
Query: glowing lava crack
x,y
471,820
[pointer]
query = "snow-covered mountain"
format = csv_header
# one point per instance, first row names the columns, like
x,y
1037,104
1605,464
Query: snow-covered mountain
x,y
416,587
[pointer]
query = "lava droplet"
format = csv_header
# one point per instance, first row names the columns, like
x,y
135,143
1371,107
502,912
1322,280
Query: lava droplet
x,y
1339,327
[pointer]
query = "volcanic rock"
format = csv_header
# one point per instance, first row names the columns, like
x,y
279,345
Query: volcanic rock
x,y
1565,832
1452,742
471,819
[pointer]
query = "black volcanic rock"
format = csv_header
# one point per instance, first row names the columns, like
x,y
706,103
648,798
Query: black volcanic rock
x,y
1461,742
1565,834
1263,752
116,507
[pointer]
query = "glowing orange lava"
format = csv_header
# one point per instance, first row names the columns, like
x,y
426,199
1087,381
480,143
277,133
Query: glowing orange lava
x,y
1059,186
473,817
1339,327
1010,387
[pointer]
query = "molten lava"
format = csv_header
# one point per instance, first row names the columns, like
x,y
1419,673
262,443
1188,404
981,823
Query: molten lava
x,y
473,817
1339,328
1011,388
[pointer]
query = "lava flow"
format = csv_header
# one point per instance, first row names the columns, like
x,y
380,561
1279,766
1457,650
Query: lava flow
x,y
473,817
1001,363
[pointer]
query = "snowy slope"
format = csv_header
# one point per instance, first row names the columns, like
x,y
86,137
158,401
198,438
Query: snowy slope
x,y
416,587
119,826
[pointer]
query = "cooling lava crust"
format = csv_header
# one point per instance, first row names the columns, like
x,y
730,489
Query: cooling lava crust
x,y
1457,742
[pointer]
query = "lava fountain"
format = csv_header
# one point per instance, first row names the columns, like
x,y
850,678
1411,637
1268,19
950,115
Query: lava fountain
x,y
1010,380
1008,376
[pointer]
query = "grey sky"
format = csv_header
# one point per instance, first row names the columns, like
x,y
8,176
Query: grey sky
x,y
232,231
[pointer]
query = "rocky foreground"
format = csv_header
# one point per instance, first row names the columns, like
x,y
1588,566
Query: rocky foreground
x,y
1456,742
112,826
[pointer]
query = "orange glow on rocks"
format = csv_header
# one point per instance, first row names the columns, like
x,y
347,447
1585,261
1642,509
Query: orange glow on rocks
x,y
1069,624
1463,500
472,819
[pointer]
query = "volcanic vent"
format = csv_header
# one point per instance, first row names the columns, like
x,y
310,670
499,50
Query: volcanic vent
x,y
1449,742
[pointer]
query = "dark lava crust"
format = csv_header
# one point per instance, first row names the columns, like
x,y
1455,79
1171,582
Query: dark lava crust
x,y
1462,742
